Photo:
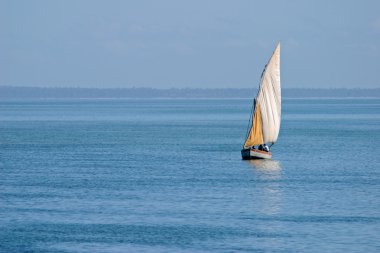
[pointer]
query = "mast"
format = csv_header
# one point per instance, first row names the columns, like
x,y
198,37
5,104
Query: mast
x,y
266,118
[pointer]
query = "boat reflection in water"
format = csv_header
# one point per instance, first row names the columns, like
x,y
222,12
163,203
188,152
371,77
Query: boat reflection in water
x,y
267,195
266,165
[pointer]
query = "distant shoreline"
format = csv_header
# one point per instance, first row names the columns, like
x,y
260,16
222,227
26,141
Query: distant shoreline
x,y
14,92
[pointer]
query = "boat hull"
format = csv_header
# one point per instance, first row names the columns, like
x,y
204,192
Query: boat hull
x,y
248,154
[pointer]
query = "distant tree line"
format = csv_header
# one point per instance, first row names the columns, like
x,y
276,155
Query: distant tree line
x,y
12,92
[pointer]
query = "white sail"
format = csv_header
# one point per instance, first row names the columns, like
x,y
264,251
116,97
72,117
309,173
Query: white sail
x,y
269,98
266,118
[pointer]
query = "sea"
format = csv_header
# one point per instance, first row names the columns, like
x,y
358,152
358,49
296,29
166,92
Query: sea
x,y
166,175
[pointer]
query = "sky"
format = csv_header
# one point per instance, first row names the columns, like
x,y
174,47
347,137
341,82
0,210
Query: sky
x,y
193,44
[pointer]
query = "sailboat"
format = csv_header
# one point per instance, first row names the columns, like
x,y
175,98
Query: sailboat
x,y
265,119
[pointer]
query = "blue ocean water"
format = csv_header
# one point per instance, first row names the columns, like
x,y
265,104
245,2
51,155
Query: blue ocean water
x,y
166,175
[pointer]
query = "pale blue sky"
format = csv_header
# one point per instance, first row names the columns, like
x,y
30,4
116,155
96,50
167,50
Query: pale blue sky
x,y
197,43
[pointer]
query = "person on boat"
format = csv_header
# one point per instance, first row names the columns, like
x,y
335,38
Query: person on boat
x,y
264,147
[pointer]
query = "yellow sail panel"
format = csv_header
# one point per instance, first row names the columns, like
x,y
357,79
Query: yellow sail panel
x,y
255,136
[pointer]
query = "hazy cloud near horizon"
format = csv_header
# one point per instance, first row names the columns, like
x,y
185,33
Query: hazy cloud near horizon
x,y
171,43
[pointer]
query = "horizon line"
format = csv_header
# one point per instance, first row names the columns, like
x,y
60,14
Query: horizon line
x,y
183,88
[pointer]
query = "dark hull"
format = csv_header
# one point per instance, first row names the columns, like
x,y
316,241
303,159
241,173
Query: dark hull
x,y
248,154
